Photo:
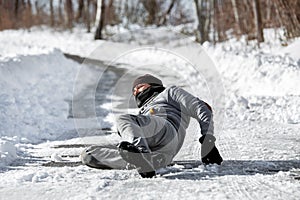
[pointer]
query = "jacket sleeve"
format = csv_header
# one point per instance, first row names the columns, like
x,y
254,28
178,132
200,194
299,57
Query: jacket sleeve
x,y
194,107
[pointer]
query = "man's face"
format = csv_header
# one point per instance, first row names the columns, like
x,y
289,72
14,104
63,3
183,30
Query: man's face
x,y
139,88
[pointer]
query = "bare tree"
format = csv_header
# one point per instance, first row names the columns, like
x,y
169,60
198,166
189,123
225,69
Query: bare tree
x,y
16,11
166,15
37,8
100,19
29,3
219,24
152,8
79,10
51,13
203,15
258,21
213,20
199,31
110,12
245,17
28,17
268,12
87,15
94,12
236,16
60,13
207,19
69,12
288,18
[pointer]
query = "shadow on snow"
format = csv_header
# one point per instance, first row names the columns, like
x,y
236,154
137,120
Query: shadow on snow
x,y
233,167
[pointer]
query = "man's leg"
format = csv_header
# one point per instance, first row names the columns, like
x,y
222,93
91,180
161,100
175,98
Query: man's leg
x,y
103,157
150,133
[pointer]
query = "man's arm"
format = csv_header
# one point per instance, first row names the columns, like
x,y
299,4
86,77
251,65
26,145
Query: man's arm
x,y
201,111
194,107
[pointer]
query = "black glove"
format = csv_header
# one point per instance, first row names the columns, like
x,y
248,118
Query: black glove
x,y
209,152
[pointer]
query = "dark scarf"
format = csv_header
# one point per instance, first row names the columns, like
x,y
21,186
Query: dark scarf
x,y
142,97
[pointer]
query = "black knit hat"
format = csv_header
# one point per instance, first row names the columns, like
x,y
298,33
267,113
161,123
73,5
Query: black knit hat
x,y
147,78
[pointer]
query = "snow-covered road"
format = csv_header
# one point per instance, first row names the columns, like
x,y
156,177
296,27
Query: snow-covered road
x,y
255,94
264,167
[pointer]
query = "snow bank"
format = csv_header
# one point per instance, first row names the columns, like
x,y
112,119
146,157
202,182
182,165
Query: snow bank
x,y
34,96
260,84
247,71
40,40
293,50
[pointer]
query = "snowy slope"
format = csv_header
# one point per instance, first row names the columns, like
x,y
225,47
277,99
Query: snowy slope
x,y
258,133
35,91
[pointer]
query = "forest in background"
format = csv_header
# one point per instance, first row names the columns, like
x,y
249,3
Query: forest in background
x,y
214,20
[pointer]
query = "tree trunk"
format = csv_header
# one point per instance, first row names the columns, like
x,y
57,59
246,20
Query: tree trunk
x,y
246,27
80,10
69,11
126,13
213,17
87,16
207,20
16,10
23,3
268,12
51,13
217,20
258,21
109,12
37,8
151,8
98,12
236,16
29,4
100,19
60,13
28,15
221,24
200,33
94,13
287,16
163,19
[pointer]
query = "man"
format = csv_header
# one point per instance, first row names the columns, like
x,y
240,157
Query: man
x,y
151,139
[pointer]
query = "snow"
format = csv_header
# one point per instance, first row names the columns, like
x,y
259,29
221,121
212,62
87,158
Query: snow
x,y
260,82
254,93
29,114
8,153
39,40
26,83
258,73
293,50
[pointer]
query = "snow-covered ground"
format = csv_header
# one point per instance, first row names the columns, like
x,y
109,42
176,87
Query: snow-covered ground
x,y
255,94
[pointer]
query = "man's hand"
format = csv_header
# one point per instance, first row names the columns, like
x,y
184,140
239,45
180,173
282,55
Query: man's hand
x,y
209,152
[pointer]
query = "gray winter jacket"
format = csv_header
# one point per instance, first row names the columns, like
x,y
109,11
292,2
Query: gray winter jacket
x,y
177,106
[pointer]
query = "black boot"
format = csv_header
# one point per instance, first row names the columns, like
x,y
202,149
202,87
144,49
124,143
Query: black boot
x,y
209,152
139,157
